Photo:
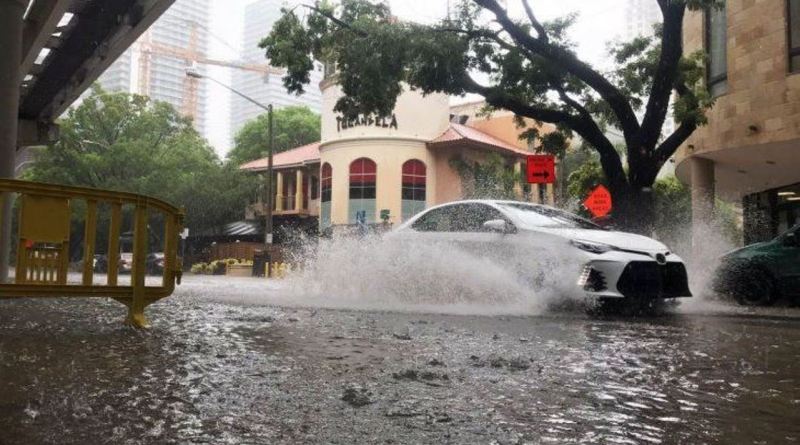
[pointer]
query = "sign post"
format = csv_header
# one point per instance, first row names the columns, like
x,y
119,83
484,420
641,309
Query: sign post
x,y
541,169
599,202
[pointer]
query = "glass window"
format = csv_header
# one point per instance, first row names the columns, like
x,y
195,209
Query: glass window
x,y
539,216
794,35
436,220
717,50
326,186
413,184
457,218
315,186
363,175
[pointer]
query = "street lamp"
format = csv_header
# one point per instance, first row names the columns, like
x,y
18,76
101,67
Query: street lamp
x,y
268,228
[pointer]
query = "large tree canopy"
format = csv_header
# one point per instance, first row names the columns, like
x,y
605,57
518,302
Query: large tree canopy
x,y
294,126
126,142
520,64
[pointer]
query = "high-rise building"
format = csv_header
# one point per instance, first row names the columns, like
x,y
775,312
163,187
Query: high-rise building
x,y
156,64
259,17
640,16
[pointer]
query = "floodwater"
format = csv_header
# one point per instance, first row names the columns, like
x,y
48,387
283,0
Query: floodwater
x,y
216,367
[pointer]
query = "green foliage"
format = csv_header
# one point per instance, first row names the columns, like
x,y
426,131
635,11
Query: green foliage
x,y
294,126
124,142
583,179
520,64
217,267
491,178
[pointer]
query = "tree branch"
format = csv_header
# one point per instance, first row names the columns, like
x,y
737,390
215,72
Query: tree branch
x,y
666,72
584,125
341,23
500,99
537,25
566,60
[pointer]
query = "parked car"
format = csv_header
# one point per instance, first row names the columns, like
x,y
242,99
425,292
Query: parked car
x,y
539,241
760,273
154,263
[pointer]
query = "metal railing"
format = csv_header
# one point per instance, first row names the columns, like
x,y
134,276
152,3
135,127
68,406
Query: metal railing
x,y
43,241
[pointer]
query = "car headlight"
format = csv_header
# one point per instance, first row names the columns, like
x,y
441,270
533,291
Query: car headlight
x,y
591,246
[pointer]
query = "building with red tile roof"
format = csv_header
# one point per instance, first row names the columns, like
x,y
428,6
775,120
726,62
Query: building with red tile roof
x,y
387,169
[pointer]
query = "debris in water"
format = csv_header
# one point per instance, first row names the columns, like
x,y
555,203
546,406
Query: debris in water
x,y
413,374
435,362
356,397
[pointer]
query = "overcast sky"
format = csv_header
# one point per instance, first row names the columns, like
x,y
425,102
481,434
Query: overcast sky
x,y
599,22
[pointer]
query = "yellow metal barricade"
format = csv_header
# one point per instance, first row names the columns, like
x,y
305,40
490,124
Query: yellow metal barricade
x,y
43,245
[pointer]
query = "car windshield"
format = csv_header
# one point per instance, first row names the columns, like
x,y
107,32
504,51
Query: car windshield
x,y
541,216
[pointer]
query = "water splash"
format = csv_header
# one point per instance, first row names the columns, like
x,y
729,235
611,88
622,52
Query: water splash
x,y
382,273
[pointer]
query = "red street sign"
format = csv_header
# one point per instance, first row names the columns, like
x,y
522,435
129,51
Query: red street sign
x,y
599,202
541,169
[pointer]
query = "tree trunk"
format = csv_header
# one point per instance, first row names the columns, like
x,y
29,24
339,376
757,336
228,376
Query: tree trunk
x,y
633,208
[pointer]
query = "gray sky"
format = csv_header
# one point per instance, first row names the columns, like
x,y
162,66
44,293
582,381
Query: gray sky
x,y
599,22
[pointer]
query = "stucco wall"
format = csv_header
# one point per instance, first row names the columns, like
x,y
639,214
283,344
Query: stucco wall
x,y
417,117
389,156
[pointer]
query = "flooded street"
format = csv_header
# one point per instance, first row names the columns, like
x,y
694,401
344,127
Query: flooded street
x,y
215,368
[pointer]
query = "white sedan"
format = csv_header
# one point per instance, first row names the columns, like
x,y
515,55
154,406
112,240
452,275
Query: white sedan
x,y
545,244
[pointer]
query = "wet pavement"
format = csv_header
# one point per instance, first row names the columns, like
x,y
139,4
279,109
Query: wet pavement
x,y
218,369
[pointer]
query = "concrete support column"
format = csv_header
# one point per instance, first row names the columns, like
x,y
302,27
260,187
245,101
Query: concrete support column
x,y
518,193
551,195
299,192
279,192
702,173
11,12
535,194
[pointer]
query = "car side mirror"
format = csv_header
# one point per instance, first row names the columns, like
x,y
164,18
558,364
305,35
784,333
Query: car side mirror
x,y
497,226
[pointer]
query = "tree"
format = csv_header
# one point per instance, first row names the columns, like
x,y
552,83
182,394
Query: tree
x,y
491,178
532,70
125,142
294,126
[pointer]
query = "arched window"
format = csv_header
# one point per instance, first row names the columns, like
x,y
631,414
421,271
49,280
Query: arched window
x,y
363,174
414,180
326,185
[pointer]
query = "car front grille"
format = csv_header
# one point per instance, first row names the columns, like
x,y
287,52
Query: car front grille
x,y
652,280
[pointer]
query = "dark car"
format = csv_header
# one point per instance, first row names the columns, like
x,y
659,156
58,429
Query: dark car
x,y
154,263
761,273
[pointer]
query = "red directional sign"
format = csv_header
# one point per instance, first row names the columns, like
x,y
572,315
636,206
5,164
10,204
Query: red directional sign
x,y
599,202
541,169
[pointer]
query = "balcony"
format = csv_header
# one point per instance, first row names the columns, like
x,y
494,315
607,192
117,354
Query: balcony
x,y
287,208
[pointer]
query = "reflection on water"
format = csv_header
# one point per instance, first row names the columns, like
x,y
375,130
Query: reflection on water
x,y
213,371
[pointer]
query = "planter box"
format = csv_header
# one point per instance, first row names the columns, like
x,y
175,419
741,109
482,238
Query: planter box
x,y
239,270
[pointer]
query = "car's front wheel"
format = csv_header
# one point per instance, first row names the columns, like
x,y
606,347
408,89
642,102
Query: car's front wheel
x,y
754,287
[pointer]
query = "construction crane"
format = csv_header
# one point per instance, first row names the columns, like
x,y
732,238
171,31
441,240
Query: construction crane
x,y
191,55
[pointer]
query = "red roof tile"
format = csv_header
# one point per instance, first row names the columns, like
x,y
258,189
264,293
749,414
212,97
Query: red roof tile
x,y
296,156
463,133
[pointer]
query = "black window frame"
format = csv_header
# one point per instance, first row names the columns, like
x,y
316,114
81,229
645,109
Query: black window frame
x,y
790,51
712,82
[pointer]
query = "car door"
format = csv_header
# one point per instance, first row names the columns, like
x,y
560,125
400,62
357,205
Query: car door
x,y
468,231
787,259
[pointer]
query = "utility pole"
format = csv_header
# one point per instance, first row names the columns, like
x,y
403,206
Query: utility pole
x,y
270,137
269,204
